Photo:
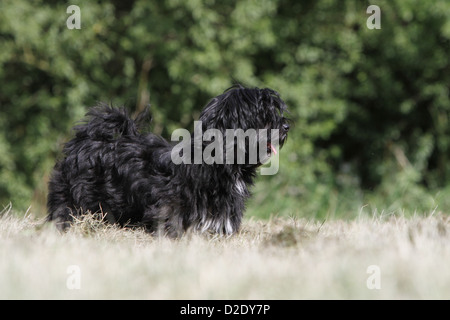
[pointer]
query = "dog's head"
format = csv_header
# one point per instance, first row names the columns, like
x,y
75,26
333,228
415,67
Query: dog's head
x,y
256,117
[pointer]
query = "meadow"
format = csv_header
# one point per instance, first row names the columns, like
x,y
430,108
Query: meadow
x,y
365,170
370,257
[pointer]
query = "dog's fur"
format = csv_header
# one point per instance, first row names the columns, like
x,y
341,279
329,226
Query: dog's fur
x,y
113,168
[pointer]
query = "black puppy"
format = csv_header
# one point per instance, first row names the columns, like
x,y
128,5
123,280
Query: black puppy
x,y
141,179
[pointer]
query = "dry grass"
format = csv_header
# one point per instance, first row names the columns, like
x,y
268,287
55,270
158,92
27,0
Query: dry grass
x,y
277,259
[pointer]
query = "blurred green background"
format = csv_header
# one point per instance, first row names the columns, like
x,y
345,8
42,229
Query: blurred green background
x,y
371,107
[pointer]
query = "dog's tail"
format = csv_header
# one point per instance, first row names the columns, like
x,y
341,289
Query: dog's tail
x,y
107,123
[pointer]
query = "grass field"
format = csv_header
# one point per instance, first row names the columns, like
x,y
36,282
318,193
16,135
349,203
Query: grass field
x,y
382,257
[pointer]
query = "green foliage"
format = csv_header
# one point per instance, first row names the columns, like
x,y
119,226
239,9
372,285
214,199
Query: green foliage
x,y
371,107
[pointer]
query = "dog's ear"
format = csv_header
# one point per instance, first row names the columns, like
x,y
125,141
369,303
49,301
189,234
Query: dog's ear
x,y
215,115
234,109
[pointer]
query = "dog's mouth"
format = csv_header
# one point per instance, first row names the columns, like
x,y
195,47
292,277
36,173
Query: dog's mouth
x,y
271,149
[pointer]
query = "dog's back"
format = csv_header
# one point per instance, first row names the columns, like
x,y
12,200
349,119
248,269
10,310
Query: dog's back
x,y
84,179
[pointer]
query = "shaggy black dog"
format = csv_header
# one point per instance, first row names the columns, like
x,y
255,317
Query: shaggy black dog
x,y
136,178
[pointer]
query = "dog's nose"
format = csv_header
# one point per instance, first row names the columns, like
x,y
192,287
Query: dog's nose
x,y
286,126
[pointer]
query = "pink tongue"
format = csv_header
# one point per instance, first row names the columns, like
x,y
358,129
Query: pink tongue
x,y
273,149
